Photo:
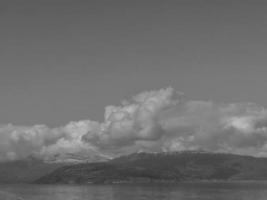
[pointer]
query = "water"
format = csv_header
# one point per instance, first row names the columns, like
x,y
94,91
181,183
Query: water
x,y
181,191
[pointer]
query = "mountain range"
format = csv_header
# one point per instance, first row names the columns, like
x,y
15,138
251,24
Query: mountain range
x,y
162,167
26,171
138,167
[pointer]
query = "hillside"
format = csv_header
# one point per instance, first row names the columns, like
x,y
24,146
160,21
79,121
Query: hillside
x,y
161,167
25,171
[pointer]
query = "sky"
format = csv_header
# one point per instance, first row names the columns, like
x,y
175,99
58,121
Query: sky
x,y
67,60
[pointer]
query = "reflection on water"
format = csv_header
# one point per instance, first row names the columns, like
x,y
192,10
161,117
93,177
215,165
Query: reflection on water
x,y
182,191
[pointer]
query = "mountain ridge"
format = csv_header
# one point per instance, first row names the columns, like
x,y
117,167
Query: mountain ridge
x,y
163,167
25,171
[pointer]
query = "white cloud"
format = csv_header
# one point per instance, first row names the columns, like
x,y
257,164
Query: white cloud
x,y
151,121
133,121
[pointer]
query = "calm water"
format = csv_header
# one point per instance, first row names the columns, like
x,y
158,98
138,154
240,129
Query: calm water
x,y
183,191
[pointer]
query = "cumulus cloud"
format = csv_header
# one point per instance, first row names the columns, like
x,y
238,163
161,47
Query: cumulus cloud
x,y
150,121
135,120
235,128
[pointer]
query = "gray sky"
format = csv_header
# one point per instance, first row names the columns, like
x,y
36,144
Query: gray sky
x,y
66,60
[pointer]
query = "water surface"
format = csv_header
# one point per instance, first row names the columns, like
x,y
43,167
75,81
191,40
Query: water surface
x,y
181,191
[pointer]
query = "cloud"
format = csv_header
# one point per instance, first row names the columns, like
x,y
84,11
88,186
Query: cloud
x,y
158,120
18,142
135,120
235,128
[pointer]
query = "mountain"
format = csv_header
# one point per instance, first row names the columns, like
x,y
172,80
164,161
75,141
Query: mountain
x,y
25,171
79,157
162,167
31,168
